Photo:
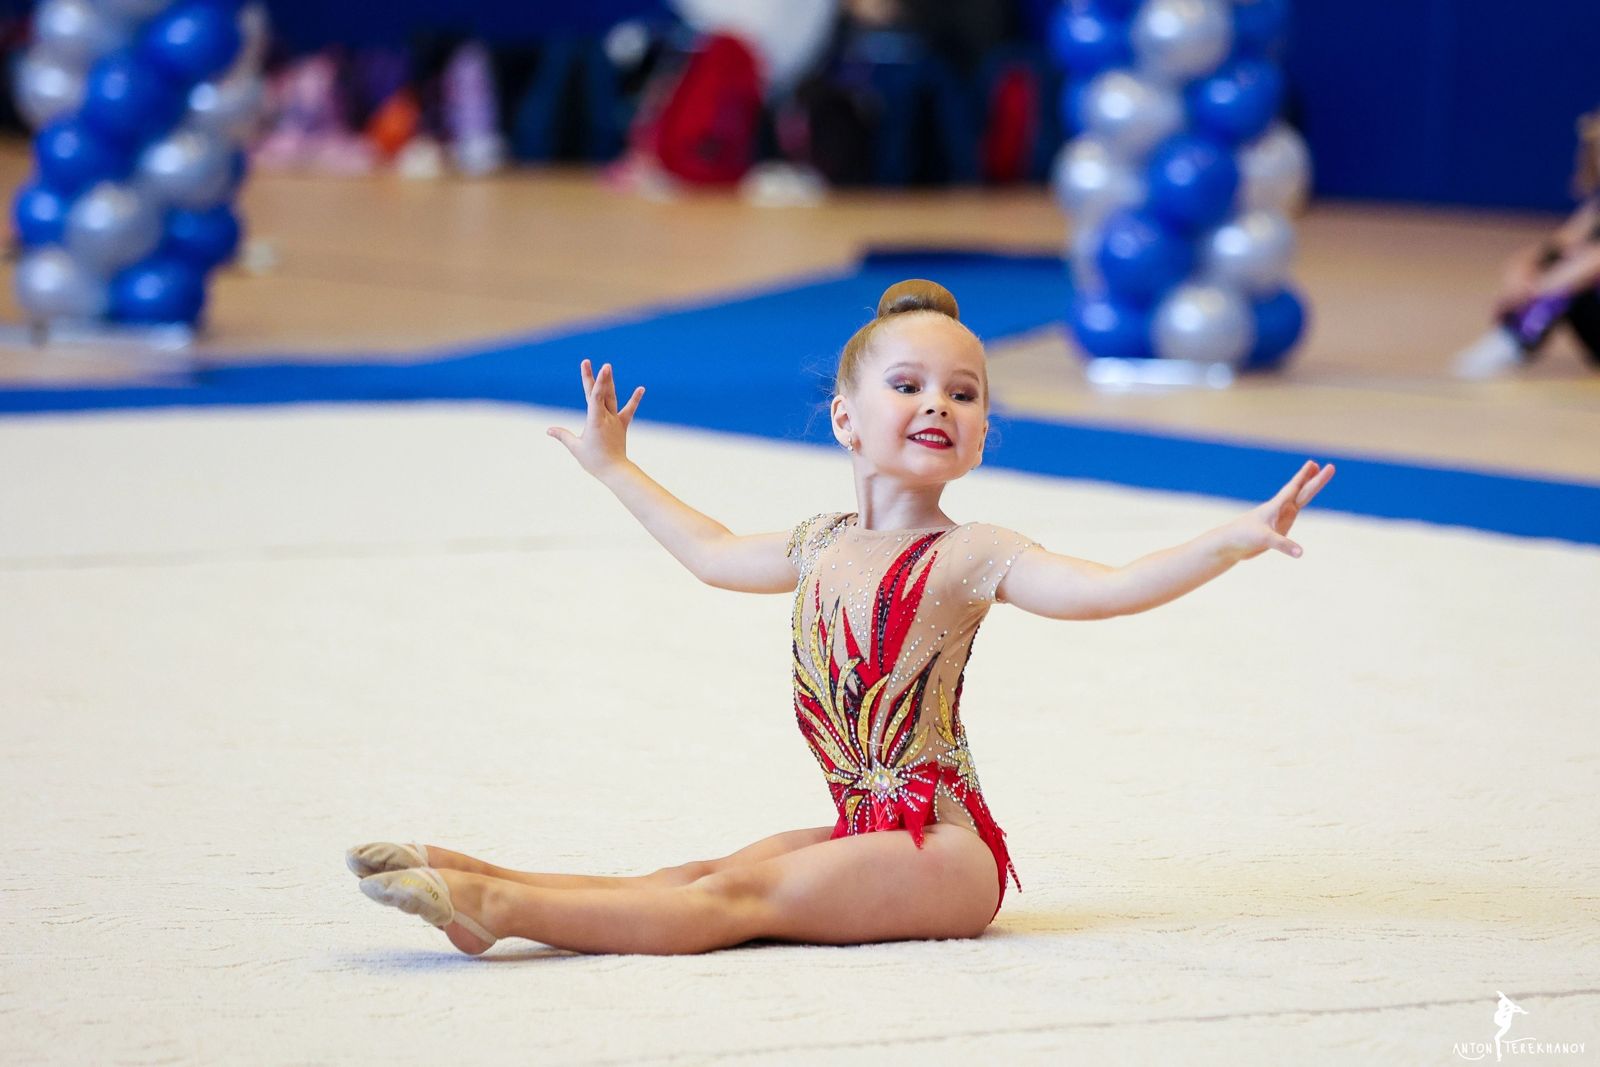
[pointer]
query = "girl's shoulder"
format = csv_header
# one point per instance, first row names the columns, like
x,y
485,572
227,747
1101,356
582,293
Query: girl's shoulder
x,y
980,554
807,530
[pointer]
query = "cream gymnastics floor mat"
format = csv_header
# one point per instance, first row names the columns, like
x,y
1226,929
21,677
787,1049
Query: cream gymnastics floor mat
x,y
1321,811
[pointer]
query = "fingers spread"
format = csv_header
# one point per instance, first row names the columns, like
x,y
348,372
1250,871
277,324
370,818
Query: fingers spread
x,y
1315,486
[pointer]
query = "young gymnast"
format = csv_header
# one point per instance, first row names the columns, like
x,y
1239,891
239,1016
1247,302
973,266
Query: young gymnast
x,y
887,600
1555,281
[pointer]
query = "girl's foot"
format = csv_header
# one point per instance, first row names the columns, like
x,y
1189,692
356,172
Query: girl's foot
x,y
380,856
426,892
1494,354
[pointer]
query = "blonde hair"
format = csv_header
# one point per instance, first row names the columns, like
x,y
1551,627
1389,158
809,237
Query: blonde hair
x,y
911,295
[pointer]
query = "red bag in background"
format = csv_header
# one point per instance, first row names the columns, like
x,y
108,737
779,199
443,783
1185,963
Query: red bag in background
x,y
702,121
1011,128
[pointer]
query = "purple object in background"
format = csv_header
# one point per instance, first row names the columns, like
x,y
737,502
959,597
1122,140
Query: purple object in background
x,y
471,110
1532,324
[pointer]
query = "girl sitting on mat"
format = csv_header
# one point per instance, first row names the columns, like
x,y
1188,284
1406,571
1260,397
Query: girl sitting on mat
x,y
1549,283
887,600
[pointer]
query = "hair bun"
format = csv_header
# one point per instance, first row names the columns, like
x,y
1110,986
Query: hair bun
x,y
917,294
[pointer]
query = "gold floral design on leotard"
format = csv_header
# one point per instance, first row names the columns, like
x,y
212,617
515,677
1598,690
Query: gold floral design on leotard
x,y
956,755
864,733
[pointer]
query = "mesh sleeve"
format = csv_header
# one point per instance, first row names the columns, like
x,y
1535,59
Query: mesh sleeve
x,y
797,538
993,550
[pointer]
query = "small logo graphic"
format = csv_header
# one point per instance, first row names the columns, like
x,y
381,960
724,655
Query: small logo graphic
x,y
1505,1012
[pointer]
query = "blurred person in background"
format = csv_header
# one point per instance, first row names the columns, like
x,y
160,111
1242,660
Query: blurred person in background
x,y
1555,281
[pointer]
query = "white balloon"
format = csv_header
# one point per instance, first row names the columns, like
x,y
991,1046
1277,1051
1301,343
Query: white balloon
x,y
46,87
77,31
1082,247
1176,40
1091,181
230,108
787,35
1206,323
1251,252
189,168
51,284
1274,171
110,226
1129,113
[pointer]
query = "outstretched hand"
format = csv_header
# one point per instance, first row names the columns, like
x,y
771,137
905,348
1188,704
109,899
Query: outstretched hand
x,y
1267,526
603,441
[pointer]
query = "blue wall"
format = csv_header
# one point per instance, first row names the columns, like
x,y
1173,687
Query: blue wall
x,y
1446,101
1443,101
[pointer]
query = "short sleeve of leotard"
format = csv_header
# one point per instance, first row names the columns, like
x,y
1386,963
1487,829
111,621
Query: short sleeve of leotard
x,y
801,534
984,557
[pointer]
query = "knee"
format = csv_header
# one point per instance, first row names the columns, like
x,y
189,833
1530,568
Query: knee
x,y
682,874
735,885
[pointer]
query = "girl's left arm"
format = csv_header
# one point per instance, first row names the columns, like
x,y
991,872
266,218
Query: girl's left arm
x,y
1061,587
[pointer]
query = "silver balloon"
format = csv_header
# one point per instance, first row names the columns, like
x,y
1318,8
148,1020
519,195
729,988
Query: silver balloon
x,y
1129,113
112,225
51,284
77,31
229,108
46,87
133,10
189,168
1176,40
1091,181
1249,252
1207,323
1082,248
1274,171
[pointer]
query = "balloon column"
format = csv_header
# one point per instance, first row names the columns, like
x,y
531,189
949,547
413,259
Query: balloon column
x,y
141,108
1180,181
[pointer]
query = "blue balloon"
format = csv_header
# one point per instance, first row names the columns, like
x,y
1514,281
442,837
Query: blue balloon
x,y
1192,181
72,157
1259,26
128,100
1139,258
1085,41
159,289
1238,102
239,166
40,213
1111,330
1072,90
192,41
204,239
1280,319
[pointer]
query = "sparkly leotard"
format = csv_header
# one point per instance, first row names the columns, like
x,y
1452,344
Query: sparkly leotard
x,y
883,627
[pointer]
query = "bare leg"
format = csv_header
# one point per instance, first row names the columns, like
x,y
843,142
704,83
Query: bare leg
x,y
850,890
766,848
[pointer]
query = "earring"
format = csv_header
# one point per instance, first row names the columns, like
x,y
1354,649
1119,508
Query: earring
x,y
850,446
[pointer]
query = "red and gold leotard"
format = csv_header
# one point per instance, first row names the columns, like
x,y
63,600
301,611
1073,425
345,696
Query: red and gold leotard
x,y
883,627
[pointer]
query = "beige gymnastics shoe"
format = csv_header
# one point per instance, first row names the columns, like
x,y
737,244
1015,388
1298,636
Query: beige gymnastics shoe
x,y
380,856
420,891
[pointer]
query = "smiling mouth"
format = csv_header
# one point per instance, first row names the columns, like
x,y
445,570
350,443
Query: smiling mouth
x,y
931,439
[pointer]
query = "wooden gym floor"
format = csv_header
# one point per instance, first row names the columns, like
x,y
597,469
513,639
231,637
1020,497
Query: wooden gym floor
x,y
387,269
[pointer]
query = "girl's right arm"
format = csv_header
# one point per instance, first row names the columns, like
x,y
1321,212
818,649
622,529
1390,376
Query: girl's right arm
x,y
710,551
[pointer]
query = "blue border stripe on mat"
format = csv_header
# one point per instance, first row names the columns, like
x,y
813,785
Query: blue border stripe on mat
x,y
762,364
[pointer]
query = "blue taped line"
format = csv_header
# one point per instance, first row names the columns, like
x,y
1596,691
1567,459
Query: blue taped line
x,y
762,364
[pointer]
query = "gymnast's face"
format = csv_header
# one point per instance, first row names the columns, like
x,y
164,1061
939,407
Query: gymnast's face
x,y
923,371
